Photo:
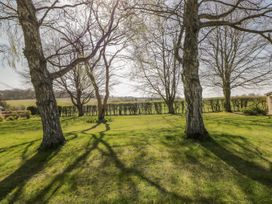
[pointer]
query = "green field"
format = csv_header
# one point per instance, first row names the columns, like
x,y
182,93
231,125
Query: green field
x,y
32,102
60,101
139,159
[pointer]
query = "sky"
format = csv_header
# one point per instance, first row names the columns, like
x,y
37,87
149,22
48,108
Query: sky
x,y
9,78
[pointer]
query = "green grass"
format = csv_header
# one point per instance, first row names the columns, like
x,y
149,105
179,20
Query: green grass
x,y
139,159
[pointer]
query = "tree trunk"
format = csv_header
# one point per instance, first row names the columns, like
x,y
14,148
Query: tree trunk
x,y
195,128
170,105
101,113
40,76
80,110
227,96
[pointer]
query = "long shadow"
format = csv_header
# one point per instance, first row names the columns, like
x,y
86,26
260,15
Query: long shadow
x,y
24,153
248,123
249,150
57,182
85,130
25,172
20,177
95,126
36,164
128,171
18,145
244,167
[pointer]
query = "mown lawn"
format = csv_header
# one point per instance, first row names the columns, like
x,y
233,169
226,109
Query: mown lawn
x,y
139,159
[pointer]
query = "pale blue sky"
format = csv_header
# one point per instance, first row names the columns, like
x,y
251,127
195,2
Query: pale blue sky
x,y
9,79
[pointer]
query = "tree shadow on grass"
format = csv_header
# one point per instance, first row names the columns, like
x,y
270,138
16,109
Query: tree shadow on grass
x,y
96,142
244,122
58,181
249,150
132,171
128,171
4,149
244,167
17,180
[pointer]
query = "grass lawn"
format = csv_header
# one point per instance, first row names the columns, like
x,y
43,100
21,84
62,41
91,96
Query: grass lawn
x,y
139,159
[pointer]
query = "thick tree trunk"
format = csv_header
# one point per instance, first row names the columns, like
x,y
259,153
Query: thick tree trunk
x,y
40,76
195,128
227,96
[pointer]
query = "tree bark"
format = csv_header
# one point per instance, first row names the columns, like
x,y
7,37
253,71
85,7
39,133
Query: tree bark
x,y
101,113
170,105
40,76
195,128
227,96
100,106
80,110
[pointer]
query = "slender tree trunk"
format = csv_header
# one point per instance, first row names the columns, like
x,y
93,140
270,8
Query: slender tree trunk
x,y
195,128
40,76
170,105
100,106
107,94
227,96
80,110
101,109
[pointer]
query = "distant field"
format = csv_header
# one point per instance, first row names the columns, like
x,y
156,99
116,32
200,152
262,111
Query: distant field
x,y
61,102
31,102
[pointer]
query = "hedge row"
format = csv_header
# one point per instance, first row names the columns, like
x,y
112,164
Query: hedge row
x,y
239,104
14,115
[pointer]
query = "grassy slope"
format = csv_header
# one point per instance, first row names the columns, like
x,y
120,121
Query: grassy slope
x,y
139,159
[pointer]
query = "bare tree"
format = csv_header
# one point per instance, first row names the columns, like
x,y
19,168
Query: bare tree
x,y
200,15
100,73
78,86
198,18
157,69
100,68
32,18
235,59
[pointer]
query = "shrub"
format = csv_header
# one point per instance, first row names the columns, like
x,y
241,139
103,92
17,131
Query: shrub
x,y
91,120
11,118
254,111
33,110
4,104
24,114
13,114
108,119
